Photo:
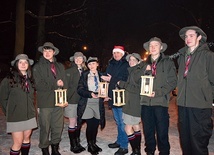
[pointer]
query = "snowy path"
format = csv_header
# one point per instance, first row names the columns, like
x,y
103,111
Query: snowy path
x,y
104,137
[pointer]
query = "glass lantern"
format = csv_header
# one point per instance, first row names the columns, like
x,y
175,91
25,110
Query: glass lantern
x,y
103,89
146,85
61,97
119,97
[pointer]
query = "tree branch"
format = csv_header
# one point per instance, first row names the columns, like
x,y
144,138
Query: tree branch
x,y
191,14
79,9
5,22
63,36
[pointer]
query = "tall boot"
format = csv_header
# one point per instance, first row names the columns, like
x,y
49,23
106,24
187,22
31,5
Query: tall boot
x,y
136,152
94,135
73,142
55,149
134,145
25,148
91,148
45,151
138,137
96,147
13,152
94,140
77,132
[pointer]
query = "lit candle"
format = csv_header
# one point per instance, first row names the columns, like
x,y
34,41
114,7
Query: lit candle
x,y
102,91
146,89
118,99
60,97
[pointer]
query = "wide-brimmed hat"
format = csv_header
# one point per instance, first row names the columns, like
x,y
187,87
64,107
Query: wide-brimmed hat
x,y
136,55
119,49
50,45
182,32
146,44
92,59
78,54
22,56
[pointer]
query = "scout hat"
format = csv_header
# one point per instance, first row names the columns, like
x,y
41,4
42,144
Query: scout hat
x,y
146,45
197,29
48,45
78,54
22,56
136,55
92,59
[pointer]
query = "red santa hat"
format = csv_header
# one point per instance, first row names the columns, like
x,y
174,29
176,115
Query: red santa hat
x,y
119,49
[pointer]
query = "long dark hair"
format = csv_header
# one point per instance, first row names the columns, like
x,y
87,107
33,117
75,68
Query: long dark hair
x,y
16,78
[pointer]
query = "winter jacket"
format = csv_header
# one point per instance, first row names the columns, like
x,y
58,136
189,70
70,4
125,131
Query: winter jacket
x,y
132,89
118,71
196,90
17,104
84,95
72,77
164,82
46,83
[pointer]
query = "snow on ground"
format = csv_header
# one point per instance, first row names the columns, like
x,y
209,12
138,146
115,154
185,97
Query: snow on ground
x,y
108,135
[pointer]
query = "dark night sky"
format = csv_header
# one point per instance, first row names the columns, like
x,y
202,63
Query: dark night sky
x,y
106,23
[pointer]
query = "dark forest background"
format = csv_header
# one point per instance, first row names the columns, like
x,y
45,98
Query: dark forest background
x,y
97,25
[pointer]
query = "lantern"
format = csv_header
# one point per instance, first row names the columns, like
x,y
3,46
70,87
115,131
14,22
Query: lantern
x,y
103,89
146,85
61,97
119,97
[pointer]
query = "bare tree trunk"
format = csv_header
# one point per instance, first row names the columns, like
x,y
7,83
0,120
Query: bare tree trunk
x,y
41,25
20,27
